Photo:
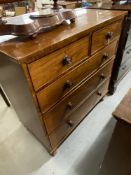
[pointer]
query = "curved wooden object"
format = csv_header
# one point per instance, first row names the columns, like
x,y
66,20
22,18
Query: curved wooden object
x,y
31,24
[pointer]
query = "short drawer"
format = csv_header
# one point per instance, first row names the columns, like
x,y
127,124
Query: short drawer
x,y
106,35
46,69
50,95
61,132
55,117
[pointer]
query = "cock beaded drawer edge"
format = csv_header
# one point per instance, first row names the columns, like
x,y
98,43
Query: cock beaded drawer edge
x,y
54,80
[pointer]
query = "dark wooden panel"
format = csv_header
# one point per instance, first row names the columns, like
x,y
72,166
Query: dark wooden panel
x,y
119,54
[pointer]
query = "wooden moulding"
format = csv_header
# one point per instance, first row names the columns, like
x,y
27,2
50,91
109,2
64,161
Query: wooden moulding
x,y
33,23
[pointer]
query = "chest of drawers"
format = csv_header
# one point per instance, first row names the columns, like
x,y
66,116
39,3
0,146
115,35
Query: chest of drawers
x,y
53,81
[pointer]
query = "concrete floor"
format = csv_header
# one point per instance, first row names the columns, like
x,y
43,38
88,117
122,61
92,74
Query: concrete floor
x,y
99,146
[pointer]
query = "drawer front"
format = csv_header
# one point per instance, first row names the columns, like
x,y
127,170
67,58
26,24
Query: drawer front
x,y
51,66
60,133
54,117
57,90
106,35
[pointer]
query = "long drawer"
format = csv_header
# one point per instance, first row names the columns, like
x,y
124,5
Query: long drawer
x,y
60,133
54,117
57,90
51,66
106,35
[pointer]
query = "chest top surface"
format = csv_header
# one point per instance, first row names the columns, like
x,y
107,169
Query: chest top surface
x,y
25,50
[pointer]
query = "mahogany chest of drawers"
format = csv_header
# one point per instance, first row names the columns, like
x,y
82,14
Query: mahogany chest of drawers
x,y
54,80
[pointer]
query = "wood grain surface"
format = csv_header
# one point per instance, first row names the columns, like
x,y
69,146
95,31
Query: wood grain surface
x,y
59,76
61,132
58,62
62,86
105,36
25,50
59,114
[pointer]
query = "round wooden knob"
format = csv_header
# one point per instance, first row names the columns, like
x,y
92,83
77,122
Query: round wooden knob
x,y
68,84
69,105
99,93
70,123
105,56
67,60
109,35
102,76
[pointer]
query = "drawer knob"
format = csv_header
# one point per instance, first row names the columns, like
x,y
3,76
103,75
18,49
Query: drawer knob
x,y
68,84
105,56
109,35
67,60
102,76
99,93
70,123
69,105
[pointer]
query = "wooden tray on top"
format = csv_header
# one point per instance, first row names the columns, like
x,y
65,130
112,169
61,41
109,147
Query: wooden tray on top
x,y
33,23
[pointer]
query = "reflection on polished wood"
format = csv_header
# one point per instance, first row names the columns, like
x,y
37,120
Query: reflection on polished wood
x,y
30,50
54,80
